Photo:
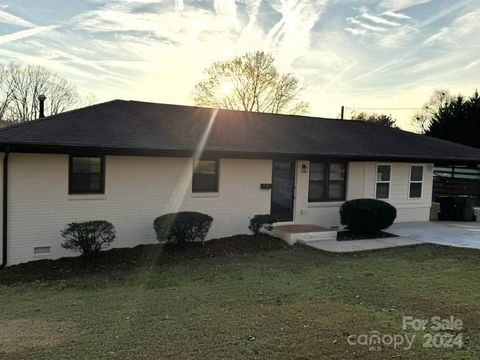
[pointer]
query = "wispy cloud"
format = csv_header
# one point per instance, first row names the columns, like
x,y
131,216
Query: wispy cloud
x,y
364,52
8,18
366,26
396,15
367,23
378,19
464,26
291,35
22,34
396,5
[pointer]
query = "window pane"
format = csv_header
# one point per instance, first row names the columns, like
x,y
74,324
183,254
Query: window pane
x,y
84,183
416,173
317,171
206,167
205,176
383,173
86,175
336,190
336,171
316,191
383,190
86,165
415,190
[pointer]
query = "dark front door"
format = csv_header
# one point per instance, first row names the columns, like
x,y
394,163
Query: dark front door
x,y
283,182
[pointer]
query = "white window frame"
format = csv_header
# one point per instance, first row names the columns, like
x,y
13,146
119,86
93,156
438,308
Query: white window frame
x,y
389,182
410,181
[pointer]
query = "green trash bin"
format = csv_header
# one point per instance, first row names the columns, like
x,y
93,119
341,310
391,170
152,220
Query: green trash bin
x,y
465,210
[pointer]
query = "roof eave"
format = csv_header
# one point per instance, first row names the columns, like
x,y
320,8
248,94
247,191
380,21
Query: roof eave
x,y
119,151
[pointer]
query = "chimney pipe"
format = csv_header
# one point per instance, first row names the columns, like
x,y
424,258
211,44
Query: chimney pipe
x,y
42,99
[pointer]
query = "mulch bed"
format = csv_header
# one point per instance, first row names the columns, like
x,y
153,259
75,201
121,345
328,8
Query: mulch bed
x,y
142,255
348,236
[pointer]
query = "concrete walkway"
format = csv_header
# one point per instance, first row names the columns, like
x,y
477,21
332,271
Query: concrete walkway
x,y
360,245
459,234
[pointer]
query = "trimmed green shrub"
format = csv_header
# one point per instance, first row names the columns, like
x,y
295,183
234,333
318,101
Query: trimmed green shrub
x,y
365,216
88,237
182,227
258,222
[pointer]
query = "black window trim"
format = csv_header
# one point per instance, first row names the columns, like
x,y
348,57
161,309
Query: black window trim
x,y
217,178
102,174
326,179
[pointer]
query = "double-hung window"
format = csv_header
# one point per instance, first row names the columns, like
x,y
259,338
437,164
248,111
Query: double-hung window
x,y
382,190
205,176
416,181
86,175
326,181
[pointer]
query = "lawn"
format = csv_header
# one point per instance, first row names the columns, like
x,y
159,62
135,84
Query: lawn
x,y
278,304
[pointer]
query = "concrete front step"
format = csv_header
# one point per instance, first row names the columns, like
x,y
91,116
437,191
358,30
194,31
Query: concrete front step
x,y
304,233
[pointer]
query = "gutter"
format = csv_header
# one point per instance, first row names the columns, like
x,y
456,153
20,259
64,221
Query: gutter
x,y
5,208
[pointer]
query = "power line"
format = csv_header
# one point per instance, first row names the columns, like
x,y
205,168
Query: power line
x,y
362,108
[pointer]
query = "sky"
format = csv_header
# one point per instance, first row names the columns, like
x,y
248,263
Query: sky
x,y
384,55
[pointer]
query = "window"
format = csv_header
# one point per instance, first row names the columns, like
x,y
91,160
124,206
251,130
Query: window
x,y
205,176
87,175
383,181
416,181
326,182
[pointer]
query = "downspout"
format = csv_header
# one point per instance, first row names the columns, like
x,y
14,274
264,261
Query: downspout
x,y
5,208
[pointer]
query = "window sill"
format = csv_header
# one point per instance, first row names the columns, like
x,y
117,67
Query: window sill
x,y
205,194
87,197
325,204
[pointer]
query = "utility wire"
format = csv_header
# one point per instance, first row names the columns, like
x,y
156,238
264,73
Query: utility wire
x,y
362,108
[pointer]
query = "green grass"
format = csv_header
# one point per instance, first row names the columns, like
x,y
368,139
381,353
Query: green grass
x,y
282,304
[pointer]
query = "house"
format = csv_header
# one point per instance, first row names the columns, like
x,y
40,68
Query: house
x,y
128,162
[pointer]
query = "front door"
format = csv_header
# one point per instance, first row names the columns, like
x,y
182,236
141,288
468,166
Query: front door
x,y
283,186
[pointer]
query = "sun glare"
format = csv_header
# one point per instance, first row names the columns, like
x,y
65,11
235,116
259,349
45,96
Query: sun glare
x,y
226,87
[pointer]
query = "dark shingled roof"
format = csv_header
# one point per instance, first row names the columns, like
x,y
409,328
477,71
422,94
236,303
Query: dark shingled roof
x,y
132,127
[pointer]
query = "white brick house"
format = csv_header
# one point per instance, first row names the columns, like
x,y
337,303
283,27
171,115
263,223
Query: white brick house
x,y
129,162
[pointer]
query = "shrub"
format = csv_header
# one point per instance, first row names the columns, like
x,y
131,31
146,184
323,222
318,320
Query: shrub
x,y
258,222
88,237
364,216
182,227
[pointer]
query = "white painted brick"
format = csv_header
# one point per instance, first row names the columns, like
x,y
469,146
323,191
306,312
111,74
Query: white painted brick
x,y
138,189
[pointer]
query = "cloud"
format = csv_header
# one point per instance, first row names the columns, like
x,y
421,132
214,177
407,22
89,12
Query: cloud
x,y
366,26
22,34
290,36
179,5
378,19
227,10
381,24
356,32
454,34
396,15
11,19
396,5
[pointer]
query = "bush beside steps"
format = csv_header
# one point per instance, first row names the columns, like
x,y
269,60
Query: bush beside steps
x,y
367,216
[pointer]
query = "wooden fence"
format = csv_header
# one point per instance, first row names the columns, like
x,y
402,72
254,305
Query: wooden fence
x,y
457,182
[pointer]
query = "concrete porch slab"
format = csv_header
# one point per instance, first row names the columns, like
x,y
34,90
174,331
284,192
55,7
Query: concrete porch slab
x,y
360,245
306,233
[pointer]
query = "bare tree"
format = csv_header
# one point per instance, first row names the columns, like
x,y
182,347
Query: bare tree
x,y
20,87
381,119
6,92
423,118
250,82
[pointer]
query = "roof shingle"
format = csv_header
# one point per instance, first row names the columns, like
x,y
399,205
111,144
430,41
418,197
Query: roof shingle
x,y
144,126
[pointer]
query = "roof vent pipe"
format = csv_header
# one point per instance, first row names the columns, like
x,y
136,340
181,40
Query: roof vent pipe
x,y
41,112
